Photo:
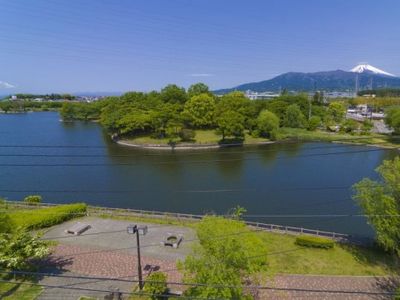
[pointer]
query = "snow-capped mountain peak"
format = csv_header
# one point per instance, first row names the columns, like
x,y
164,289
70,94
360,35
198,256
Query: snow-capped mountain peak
x,y
366,68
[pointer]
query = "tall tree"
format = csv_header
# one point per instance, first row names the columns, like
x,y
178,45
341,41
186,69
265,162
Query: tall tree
x,y
392,119
198,89
380,200
294,117
200,110
225,258
337,111
267,124
231,123
173,94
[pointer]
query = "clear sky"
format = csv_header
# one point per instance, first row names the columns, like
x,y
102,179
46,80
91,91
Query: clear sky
x,y
121,45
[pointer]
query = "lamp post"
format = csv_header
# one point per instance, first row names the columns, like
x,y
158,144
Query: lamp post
x,y
135,229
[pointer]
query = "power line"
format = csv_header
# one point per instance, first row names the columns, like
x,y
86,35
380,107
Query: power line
x,y
188,162
258,287
102,291
217,190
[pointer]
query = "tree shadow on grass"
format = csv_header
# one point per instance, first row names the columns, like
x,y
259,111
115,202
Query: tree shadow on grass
x,y
374,256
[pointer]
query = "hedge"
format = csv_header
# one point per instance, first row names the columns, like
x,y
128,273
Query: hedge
x,y
314,241
46,217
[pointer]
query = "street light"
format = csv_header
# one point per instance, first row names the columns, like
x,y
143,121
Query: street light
x,y
142,230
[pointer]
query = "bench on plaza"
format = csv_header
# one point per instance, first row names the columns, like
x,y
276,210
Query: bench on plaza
x,y
172,240
78,228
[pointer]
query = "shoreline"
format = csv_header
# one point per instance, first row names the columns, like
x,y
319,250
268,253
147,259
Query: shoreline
x,y
219,146
186,146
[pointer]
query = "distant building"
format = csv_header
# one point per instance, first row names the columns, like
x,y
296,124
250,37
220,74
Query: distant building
x,y
14,97
260,96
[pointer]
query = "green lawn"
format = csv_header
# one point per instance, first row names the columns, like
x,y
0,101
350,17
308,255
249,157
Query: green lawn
x,y
305,135
286,257
202,137
19,291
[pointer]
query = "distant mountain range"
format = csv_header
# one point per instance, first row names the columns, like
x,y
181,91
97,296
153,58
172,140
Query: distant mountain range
x,y
368,77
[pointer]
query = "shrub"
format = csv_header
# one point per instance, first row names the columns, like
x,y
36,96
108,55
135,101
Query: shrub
x,y
350,126
397,296
33,199
314,242
46,217
156,285
314,123
267,123
187,134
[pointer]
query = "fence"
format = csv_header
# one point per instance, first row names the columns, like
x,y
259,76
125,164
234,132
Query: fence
x,y
96,210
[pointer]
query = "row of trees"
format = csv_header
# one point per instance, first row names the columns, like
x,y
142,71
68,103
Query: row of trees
x,y
174,112
21,106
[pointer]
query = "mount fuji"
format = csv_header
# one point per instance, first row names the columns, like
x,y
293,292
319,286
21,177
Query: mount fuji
x,y
366,68
368,77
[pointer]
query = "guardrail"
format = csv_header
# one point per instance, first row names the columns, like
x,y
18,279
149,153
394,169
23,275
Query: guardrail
x,y
98,210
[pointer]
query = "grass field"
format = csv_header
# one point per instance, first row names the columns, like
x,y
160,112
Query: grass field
x,y
10,291
287,258
372,139
202,137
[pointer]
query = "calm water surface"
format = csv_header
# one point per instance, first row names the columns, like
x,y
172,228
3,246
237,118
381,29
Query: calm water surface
x,y
270,179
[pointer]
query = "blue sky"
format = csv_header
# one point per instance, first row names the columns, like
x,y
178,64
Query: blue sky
x,y
110,45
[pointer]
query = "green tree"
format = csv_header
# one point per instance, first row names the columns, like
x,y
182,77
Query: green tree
x,y
200,110
156,285
231,123
392,119
6,225
294,117
173,94
350,125
198,89
380,200
314,123
267,124
229,254
337,111
235,101
20,249
67,111
366,126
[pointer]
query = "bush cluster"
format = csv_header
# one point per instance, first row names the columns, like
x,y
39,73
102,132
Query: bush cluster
x,y
33,199
46,217
314,242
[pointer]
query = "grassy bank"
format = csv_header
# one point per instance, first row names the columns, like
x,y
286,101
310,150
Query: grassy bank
x,y
287,258
210,137
380,140
202,137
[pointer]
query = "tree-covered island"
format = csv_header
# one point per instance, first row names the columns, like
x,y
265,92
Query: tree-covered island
x,y
175,116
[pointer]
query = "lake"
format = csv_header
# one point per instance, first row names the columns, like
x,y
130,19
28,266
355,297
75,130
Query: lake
x,y
69,162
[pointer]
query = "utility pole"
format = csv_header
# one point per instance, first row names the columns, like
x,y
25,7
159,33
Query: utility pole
x,y
135,229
